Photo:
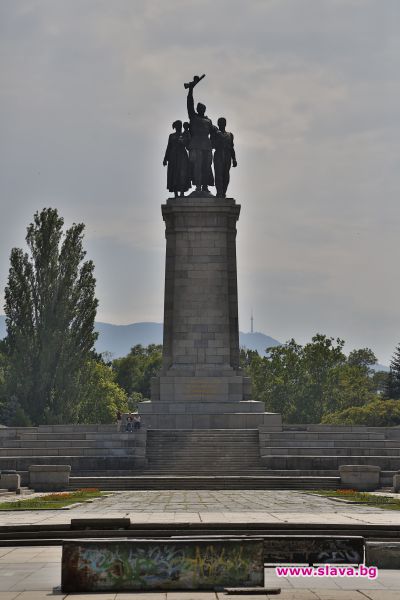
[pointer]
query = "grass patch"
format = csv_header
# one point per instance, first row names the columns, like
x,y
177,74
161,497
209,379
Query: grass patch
x,y
361,498
53,501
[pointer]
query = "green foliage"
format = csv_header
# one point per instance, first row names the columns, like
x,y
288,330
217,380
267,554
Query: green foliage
x,y
379,382
392,387
304,383
377,413
101,397
134,371
53,501
50,310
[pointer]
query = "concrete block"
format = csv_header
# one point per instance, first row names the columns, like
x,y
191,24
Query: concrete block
x,y
396,482
83,564
383,555
10,481
52,478
360,477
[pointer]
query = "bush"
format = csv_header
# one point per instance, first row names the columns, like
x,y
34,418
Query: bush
x,y
378,413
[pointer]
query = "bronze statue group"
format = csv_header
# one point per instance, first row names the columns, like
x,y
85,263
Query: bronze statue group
x,y
189,153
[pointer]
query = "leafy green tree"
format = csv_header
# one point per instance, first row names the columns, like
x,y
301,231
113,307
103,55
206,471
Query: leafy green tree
x,y
101,397
135,371
50,309
377,413
304,383
379,381
363,358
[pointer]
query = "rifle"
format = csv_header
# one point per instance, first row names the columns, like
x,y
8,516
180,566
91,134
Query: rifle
x,y
195,81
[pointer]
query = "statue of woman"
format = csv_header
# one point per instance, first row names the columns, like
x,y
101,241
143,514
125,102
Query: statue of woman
x,y
176,157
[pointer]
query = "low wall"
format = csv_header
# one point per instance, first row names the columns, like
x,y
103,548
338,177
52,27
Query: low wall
x,y
142,565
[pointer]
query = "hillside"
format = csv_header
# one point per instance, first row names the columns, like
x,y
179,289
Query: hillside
x,y
119,339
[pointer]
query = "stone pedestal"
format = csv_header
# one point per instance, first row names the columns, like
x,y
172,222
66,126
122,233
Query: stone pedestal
x,y
201,384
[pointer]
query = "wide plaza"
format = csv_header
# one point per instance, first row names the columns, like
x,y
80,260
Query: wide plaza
x,y
34,572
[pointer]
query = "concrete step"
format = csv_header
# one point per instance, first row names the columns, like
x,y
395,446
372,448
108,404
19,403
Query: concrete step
x,y
104,444
203,482
70,451
338,451
289,435
291,462
84,436
361,443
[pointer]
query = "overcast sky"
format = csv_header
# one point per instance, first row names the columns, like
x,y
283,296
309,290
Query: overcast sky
x,y
311,91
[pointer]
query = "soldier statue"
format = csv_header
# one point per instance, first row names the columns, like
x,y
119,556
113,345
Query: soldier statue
x,y
200,149
224,157
178,172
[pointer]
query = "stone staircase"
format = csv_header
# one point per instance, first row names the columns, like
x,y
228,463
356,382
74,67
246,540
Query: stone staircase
x,y
89,449
316,448
295,457
216,451
207,459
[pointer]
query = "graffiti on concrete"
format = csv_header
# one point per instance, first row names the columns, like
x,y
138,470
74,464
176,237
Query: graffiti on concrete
x,y
313,550
148,564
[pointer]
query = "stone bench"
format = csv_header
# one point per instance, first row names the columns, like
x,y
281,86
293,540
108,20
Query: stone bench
x,y
363,478
110,565
10,480
49,478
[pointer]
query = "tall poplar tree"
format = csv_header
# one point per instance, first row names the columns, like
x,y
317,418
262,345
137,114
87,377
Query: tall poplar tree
x,y
50,308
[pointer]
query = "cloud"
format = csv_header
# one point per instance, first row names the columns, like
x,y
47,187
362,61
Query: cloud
x,y
310,89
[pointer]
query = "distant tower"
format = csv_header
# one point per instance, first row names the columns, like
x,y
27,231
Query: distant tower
x,y
252,321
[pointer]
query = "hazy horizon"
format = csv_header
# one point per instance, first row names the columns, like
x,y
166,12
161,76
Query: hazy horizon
x,y
310,89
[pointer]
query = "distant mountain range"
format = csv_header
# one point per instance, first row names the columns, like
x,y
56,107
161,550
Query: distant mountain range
x,y
119,339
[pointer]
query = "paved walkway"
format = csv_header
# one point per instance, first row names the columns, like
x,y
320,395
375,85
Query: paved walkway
x,y
268,506
32,573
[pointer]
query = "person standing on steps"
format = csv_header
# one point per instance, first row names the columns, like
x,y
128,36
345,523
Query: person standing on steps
x,y
129,424
119,420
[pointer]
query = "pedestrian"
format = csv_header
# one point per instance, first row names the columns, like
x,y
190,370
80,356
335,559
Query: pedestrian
x,y
119,420
129,424
136,422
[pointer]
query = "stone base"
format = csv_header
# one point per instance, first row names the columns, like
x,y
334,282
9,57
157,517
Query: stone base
x,y
187,389
204,402
170,418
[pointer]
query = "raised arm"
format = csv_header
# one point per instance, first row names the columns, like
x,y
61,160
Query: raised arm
x,y
190,103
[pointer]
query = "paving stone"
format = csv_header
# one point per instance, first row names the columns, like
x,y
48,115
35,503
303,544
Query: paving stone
x,y
139,596
380,594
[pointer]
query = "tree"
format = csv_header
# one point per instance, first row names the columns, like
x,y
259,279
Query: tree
x,y
50,309
377,413
101,397
392,388
304,383
363,358
135,371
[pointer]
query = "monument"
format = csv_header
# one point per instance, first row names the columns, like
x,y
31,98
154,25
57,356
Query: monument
x,y
201,385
